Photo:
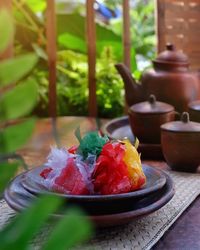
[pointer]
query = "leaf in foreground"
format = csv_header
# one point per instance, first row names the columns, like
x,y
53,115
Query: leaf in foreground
x,y
7,170
12,70
19,101
6,29
21,230
13,137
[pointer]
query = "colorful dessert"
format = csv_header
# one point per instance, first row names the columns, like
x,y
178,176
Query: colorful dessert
x,y
96,166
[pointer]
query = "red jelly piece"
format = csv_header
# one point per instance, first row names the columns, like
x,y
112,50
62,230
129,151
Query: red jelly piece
x,y
73,149
110,175
70,180
45,172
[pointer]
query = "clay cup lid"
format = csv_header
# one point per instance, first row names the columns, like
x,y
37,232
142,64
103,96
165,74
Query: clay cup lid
x,y
194,105
151,107
172,56
184,125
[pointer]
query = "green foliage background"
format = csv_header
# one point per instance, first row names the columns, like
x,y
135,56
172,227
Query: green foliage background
x,y
72,61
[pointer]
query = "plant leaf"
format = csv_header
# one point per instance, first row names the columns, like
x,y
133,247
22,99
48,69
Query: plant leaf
x,y
6,29
21,230
36,6
76,26
12,137
78,134
14,69
19,101
7,171
72,35
72,42
40,51
72,229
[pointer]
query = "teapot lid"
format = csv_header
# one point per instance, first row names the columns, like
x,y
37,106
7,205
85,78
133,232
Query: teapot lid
x,y
184,125
151,107
171,55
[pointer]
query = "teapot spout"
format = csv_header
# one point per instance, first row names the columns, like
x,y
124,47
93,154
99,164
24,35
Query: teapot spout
x,y
132,89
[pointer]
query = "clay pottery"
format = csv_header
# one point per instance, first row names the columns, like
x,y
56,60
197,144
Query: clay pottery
x,y
194,111
180,141
146,118
170,80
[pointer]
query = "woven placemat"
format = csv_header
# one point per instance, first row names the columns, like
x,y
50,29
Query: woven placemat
x,y
142,233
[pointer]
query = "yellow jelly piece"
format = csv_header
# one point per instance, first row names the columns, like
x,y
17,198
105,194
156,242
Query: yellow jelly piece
x,y
133,162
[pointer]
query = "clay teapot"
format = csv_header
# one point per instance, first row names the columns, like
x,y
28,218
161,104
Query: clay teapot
x,y
170,81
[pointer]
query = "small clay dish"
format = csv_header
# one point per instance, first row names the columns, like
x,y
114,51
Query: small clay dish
x,y
146,118
194,110
180,141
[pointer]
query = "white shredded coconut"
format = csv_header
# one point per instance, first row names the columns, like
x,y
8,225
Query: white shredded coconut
x,y
86,174
57,160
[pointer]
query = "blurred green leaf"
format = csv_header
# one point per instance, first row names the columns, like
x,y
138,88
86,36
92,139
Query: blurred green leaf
x,y
40,51
72,229
7,170
72,42
37,6
6,29
21,230
77,44
13,137
74,24
14,69
19,101
137,74
133,60
117,49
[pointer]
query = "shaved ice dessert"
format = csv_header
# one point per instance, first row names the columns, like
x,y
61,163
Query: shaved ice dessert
x,y
96,166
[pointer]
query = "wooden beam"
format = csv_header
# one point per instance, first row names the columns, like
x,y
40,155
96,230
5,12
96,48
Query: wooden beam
x,y
51,52
126,34
7,4
160,25
91,48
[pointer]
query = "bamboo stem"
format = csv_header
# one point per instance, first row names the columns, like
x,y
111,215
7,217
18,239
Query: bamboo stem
x,y
91,47
126,33
51,52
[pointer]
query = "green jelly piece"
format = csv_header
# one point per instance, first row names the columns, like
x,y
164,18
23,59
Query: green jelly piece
x,y
92,143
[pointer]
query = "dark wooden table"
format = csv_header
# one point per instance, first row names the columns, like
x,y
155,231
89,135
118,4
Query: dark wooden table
x,y
184,234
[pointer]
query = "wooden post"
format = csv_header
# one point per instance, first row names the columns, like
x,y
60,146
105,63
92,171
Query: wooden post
x,y
160,24
91,48
51,52
126,33
7,4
